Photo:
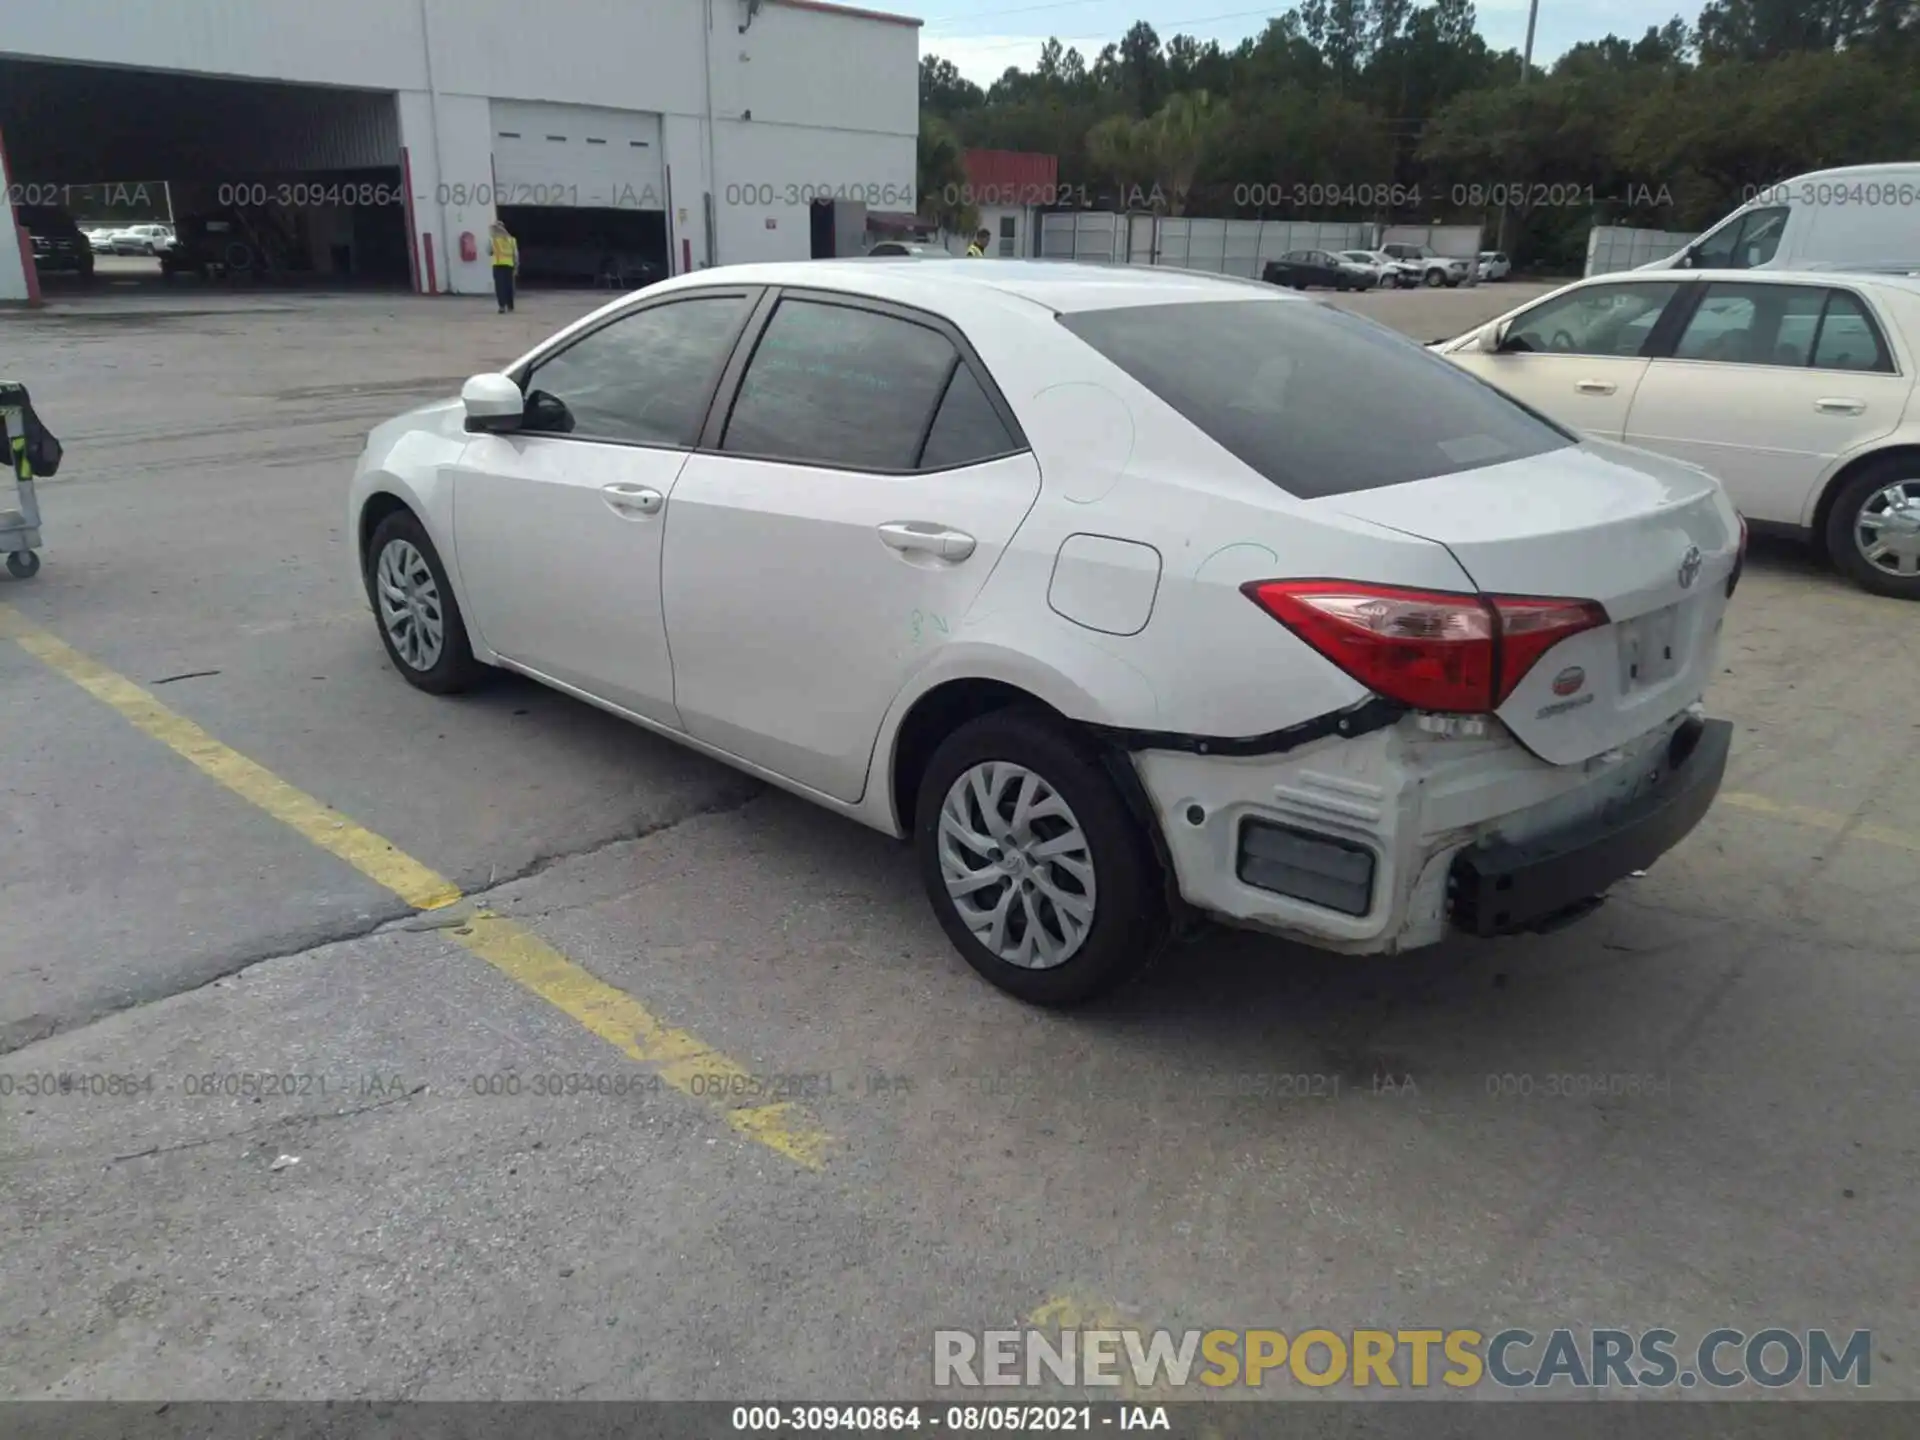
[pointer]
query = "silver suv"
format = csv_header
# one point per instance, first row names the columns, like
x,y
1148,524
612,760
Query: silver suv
x,y
1434,270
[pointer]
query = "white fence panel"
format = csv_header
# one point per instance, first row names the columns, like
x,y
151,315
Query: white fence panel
x,y
1223,247
1097,235
1622,247
1140,240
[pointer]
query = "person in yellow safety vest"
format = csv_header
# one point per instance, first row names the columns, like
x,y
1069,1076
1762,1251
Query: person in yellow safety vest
x,y
978,249
506,264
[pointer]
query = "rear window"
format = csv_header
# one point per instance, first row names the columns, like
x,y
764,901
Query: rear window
x,y
1319,401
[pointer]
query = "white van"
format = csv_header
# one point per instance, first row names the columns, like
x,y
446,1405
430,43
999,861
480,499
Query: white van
x,y
1860,217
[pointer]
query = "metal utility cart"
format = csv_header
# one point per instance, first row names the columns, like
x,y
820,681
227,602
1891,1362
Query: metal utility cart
x,y
20,527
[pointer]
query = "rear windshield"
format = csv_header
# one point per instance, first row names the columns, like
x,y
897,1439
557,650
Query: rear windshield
x,y
1319,401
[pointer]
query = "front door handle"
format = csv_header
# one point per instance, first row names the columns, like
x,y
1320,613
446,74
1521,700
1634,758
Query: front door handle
x,y
634,499
1839,405
1595,387
919,537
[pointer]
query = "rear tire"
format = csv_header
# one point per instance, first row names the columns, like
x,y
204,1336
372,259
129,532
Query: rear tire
x,y
1046,823
419,619
1866,494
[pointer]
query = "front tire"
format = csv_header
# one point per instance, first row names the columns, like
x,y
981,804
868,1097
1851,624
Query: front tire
x,y
1038,872
419,618
1873,530
1435,279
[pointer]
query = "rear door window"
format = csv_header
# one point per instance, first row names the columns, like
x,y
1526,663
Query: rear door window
x,y
966,428
840,386
1274,383
1749,324
1848,338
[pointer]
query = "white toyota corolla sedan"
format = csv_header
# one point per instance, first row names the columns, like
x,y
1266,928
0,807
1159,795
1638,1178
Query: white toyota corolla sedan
x,y
1097,584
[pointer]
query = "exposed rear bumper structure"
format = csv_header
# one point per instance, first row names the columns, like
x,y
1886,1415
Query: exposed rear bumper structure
x,y
1383,840
1504,889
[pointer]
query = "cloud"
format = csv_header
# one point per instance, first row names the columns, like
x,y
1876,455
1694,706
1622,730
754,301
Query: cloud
x,y
983,59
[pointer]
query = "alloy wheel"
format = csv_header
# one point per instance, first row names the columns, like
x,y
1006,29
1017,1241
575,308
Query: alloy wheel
x,y
1017,865
410,608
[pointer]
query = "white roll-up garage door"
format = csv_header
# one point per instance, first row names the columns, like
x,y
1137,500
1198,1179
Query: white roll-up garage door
x,y
577,156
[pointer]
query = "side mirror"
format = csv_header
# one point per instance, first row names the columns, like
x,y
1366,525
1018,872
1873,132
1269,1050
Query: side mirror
x,y
1490,338
493,402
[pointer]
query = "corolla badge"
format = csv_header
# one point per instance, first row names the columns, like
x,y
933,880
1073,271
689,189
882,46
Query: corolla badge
x,y
1690,566
1569,680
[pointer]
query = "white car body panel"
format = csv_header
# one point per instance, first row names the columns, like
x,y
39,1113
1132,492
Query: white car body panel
x,y
563,573
1588,393
1860,217
1763,427
796,626
759,617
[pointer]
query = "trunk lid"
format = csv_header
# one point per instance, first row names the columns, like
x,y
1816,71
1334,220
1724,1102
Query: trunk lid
x,y
1601,522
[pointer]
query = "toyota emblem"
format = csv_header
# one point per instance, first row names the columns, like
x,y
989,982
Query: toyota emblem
x,y
1690,566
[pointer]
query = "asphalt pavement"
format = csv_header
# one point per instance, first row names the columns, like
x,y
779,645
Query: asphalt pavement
x,y
489,1048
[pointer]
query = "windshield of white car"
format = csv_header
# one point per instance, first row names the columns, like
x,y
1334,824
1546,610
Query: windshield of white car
x,y
1280,385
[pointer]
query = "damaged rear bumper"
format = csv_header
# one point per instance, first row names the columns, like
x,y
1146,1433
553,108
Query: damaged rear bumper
x,y
1507,888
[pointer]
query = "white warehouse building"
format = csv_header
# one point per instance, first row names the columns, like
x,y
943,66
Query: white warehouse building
x,y
380,137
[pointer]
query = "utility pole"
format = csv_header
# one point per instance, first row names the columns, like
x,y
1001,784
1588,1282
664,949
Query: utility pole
x,y
1505,232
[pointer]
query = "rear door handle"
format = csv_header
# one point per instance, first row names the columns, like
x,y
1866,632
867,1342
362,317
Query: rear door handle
x,y
1595,387
634,499
918,537
1839,405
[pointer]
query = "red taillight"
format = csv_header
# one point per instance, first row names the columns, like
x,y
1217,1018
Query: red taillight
x,y
1426,648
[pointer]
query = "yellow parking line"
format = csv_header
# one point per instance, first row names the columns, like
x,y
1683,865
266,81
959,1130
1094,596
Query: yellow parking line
x,y
1822,820
680,1058
326,827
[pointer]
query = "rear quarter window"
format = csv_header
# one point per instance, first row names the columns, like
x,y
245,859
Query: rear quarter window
x,y
1318,401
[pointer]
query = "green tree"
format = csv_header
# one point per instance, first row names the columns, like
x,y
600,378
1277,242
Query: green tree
x,y
941,177
1142,69
944,90
1180,136
1769,29
1278,141
1122,152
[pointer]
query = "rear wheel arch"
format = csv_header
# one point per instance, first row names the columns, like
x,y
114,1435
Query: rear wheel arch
x,y
936,715
953,703
1873,459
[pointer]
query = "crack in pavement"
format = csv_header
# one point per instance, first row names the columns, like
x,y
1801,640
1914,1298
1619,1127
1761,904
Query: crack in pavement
x,y
463,910
265,1127
18,1035
730,800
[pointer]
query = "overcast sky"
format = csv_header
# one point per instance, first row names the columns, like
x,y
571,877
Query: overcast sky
x,y
985,38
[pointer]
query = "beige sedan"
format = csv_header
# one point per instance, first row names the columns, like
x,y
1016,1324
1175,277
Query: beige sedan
x,y
1796,389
